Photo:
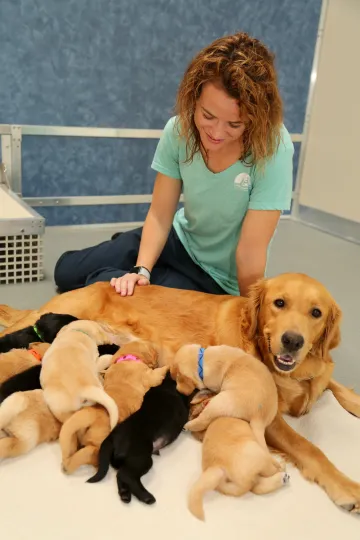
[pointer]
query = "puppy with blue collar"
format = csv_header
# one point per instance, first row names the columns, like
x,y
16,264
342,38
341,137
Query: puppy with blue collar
x,y
245,386
235,456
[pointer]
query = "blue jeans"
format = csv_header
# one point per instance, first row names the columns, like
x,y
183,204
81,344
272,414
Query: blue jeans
x,y
114,258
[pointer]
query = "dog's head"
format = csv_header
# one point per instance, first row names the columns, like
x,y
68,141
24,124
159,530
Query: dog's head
x,y
39,347
50,324
184,368
291,316
185,385
145,350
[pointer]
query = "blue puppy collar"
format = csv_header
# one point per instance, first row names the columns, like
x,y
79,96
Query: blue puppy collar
x,y
201,363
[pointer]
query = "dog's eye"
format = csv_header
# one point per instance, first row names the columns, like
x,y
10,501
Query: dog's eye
x,y
316,313
279,302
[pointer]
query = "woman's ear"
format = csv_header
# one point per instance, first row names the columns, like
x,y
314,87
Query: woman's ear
x,y
255,299
331,336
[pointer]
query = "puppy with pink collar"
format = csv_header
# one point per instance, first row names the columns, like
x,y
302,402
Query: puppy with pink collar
x,y
133,371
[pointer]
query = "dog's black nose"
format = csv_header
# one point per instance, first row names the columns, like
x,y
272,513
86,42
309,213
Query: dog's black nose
x,y
292,341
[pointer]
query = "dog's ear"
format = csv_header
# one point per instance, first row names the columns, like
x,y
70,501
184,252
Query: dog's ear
x,y
255,299
330,337
152,356
174,371
184,385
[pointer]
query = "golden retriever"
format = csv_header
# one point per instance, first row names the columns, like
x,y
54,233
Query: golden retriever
x,y
244,386
19,360
234,463
288,303
133,371
70,372
25,422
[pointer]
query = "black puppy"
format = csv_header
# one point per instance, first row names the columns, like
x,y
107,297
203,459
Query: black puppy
x,y
45,329
130,446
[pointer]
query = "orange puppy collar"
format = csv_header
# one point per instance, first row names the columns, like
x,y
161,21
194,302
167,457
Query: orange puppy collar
x,y
35,354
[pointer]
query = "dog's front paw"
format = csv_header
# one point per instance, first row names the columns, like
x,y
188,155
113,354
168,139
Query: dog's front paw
x,y
347,497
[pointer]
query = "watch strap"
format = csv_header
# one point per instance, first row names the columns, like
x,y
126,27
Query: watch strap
x,y
142,271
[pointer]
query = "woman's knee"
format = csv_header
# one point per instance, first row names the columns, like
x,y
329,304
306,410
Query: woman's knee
x,y
64,273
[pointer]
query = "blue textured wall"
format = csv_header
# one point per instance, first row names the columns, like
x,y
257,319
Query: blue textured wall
x,y
118,63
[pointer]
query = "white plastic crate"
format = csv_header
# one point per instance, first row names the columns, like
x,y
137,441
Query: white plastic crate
x,y
21,240
21,259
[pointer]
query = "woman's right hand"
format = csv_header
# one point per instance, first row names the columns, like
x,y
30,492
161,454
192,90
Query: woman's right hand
x,y
125,285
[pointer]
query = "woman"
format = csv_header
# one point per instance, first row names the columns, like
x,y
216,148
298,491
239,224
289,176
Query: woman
x,y
229,152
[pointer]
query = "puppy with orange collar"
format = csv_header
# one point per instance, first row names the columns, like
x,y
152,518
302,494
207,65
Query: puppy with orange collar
x,y
133,371
18,360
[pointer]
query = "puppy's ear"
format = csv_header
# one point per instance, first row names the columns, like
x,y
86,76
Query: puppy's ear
x,y
152,356
184,385
174,371
330,337
255,300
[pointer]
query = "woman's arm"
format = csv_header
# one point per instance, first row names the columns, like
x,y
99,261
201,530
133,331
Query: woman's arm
x,y
251,253
165,198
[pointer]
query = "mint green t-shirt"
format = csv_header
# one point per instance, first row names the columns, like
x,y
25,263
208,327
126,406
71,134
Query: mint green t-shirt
x,y
215,204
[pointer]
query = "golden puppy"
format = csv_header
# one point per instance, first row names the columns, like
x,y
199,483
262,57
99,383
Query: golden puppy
x,y
244,386
234,463
25,422
18,360
127,380
70,374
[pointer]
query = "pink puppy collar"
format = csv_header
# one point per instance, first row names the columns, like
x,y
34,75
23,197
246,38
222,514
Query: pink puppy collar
x,y
130,357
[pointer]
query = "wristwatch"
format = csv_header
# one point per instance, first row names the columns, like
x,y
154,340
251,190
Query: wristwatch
x,y
141,270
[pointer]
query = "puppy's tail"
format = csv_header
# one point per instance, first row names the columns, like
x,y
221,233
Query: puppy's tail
x,y
105,452
12,407
209,480
82,419
98,395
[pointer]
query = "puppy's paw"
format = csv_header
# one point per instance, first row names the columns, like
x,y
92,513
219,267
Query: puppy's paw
x,y
280,465
64,468
286,478
192,425
202,395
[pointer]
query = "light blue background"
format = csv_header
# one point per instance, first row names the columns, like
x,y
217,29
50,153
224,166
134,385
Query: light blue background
x,y
117,63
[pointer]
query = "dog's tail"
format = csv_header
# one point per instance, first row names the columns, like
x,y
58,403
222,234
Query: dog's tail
x,y
12,407
82,419
98,395
105,452
9,315
209,480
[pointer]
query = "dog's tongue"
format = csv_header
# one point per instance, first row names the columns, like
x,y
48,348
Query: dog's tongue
x,y
286,358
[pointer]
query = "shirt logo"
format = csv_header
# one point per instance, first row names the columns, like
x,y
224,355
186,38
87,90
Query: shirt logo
x,y
243,181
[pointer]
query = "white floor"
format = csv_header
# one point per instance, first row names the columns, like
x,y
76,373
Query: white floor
x,y
38,501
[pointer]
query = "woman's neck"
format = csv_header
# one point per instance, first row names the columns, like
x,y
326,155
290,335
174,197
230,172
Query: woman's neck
x,y
222,159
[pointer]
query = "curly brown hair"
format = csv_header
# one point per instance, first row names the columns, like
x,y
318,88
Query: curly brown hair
x,y
245,68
